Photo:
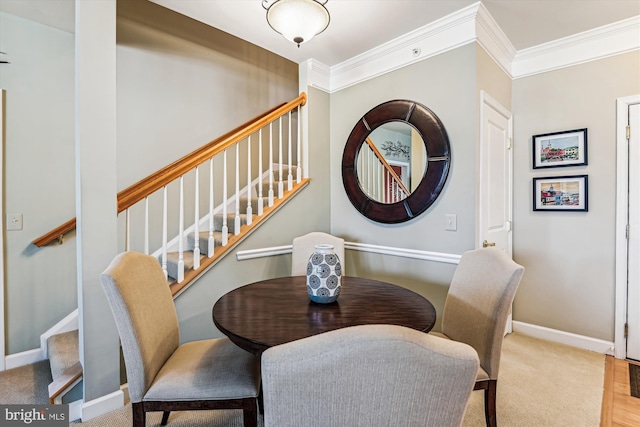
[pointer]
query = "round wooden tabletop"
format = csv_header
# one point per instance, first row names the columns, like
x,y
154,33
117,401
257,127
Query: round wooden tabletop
x,y
275,311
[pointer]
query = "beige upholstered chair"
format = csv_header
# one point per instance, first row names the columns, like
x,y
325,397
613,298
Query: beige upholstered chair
x,y
303,247
476,311
162,374
366,376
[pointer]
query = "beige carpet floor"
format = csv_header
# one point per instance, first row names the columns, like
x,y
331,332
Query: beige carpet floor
x,y
541,384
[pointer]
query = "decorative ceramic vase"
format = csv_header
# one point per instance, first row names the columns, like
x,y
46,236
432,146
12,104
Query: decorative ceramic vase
x,y
324,274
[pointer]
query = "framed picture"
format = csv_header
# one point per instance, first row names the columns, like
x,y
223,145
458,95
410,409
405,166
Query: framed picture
x,y
561,193
568,148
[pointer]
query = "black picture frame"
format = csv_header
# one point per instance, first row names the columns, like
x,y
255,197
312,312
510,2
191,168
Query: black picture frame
x,y
561,193
560,149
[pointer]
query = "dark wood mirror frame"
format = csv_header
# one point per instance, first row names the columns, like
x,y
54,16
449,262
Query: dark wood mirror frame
x,y
436,141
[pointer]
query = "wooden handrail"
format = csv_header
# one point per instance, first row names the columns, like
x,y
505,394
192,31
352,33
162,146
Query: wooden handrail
x,y
56,233
387,166
152,183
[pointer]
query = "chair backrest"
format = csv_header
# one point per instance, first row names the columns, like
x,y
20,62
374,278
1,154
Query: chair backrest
x,y
478,303
369,375
303,247
145,316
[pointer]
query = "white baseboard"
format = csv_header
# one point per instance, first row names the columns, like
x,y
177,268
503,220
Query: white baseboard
x,y
70,322
102,405
568,338
24,358
75,410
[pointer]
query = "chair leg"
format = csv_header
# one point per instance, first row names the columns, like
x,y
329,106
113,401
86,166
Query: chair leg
x,y
139,417
165,418
490,403
261,401
250,413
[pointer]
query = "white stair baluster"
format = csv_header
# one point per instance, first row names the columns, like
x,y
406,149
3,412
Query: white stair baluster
x,y
211,242
236,223
280,182
225,228
249,207
146,226
180,277
196,224
164,233
289,154
260,201
271,164
299,150
127,231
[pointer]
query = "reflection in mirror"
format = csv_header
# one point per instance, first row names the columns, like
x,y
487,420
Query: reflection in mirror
x,y
391,162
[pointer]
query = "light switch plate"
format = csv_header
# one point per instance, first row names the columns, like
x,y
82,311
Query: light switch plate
x,y
451,223
14,222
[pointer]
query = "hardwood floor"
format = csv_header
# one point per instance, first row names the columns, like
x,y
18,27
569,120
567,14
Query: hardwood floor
x,y
619,408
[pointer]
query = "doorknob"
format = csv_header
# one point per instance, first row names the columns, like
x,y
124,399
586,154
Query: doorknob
x,y
486,244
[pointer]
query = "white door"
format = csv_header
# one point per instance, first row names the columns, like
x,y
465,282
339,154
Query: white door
x,y
496,176
633,242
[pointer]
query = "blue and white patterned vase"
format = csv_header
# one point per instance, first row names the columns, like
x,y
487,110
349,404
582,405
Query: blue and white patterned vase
x,y
324,275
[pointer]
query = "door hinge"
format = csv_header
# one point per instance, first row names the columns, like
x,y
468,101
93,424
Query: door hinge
x,y
628,131
507,225
626,232
626,330
510,142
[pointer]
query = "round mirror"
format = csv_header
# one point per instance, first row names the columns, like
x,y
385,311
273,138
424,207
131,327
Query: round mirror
x,y
396,161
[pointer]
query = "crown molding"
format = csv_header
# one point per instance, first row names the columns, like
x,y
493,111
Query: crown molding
x,y
495,42
474,23
314,73
613,39
447,33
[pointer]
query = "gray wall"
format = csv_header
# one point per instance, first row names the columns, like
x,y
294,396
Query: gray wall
x,y
447,85
39,176
570,256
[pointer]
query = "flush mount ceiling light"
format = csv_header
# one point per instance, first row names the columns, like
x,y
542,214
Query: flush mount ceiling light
x,y
297,20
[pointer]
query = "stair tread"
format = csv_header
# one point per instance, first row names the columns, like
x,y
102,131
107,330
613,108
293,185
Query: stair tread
x,y
63,352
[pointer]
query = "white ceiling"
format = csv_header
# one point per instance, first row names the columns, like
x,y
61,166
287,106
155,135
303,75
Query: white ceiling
x,y
360,25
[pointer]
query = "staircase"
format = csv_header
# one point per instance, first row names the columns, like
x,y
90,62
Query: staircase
x,y
273,176
239,224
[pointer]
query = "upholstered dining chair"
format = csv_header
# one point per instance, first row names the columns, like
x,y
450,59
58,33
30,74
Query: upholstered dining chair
x,y
368,375
303,247
164,375
476,310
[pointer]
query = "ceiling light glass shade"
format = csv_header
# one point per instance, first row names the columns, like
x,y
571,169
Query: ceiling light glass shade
x,y
297,20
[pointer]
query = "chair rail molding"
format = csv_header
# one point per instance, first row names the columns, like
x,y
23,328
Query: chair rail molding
x,y
361,247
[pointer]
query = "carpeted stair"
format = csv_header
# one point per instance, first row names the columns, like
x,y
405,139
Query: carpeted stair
x,y
63,352
203,235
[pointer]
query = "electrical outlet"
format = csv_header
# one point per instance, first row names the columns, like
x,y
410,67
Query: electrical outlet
x,y
451,222
14,222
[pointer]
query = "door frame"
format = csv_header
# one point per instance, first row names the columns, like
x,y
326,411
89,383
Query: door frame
x,y
622,204
2,273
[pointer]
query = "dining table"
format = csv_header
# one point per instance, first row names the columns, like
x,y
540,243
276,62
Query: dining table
x,y
275,311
